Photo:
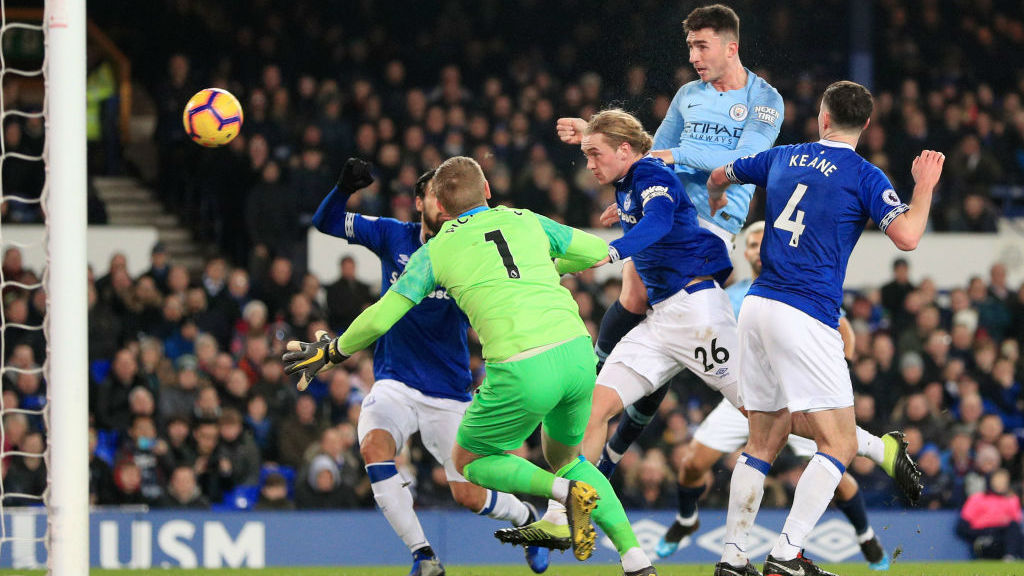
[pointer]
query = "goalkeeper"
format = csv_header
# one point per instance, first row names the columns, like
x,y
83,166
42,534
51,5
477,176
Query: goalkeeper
x,y
497,265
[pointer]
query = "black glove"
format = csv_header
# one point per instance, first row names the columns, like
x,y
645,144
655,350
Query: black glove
x,y
355,176
310,358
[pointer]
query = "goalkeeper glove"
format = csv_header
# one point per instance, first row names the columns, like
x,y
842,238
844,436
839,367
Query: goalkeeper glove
x,y
355,176
307,359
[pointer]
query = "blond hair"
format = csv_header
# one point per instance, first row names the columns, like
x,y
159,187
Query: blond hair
x,y
619,126
459,185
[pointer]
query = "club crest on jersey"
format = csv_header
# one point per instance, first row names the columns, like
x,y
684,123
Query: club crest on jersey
x,y
891,198
738,112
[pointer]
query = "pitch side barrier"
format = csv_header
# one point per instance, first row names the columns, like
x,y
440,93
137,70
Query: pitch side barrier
x,y
140,539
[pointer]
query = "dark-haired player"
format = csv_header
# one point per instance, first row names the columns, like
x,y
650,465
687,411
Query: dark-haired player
x,y
819,197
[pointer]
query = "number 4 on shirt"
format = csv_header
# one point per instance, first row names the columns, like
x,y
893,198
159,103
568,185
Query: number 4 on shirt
x,y
796,225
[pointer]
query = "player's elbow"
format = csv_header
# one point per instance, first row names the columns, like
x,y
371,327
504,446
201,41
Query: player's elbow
x,y
905,242
903,236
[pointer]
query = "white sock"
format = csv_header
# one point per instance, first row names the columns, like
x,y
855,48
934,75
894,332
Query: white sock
x,y
560,489
870,446
634,559
614,456
395,502
745,493
556,513
867,535
690,521
814,491
502,506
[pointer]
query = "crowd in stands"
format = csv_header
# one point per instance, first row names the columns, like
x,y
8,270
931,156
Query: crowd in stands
x,y
188,401
190,407
408,88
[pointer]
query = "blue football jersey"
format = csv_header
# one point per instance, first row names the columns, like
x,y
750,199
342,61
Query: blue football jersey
x,y
668,246
427,348
819,198
705,129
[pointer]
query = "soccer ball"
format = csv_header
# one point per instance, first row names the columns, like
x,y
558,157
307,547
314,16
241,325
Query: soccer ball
x,y
212,117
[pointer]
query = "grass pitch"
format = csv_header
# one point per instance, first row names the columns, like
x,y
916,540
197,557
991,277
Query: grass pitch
x,y
898,569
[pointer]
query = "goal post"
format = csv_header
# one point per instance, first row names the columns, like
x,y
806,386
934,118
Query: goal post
x,y
66,288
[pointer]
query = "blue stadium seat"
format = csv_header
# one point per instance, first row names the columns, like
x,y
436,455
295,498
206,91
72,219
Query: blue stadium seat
x,y
99,369
241,498
107,442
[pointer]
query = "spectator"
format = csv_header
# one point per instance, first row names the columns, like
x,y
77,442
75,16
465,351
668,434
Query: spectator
x,y
894,293
239,449
112,397
297,432
938,486
347,297
182,492
274,494
990,521
139,447
211,465
26,474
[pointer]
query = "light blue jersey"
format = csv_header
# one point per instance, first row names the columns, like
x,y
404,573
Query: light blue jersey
x,y
705,129
736,291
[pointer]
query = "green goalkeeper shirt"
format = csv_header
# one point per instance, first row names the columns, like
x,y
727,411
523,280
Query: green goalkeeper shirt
x,y
497,264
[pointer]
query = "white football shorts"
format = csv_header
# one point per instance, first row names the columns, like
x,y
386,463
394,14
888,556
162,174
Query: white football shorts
x,y
401,410
789,359
726,430
694,329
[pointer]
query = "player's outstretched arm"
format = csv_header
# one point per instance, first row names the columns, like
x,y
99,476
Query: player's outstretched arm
x,y
330,216
718,182
584,250
570,130
906,230
573,249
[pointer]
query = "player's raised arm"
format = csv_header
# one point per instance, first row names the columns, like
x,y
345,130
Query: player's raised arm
x,y
746,170
570,130
331,217
906,230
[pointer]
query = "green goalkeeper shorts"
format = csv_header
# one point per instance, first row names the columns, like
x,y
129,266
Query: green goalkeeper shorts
x,y
553,388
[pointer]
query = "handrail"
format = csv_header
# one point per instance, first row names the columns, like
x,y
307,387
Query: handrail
x,y
122,65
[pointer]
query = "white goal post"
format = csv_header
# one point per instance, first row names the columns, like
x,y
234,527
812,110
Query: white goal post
x,y
66,289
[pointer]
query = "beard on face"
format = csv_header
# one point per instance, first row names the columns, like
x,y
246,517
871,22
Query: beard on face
x,y
434,224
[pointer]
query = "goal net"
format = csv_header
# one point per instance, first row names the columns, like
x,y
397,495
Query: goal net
x,y
43,334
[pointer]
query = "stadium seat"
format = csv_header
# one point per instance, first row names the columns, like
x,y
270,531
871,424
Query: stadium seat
x,y
107,442
98,369
241,498
1012,197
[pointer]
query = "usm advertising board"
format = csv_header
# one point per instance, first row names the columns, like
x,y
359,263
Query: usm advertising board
x,y
120,539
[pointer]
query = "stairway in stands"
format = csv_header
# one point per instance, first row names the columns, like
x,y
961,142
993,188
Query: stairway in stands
x,y
130,203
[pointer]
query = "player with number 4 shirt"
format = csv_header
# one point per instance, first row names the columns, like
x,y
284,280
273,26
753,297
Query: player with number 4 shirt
x,y
819,197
